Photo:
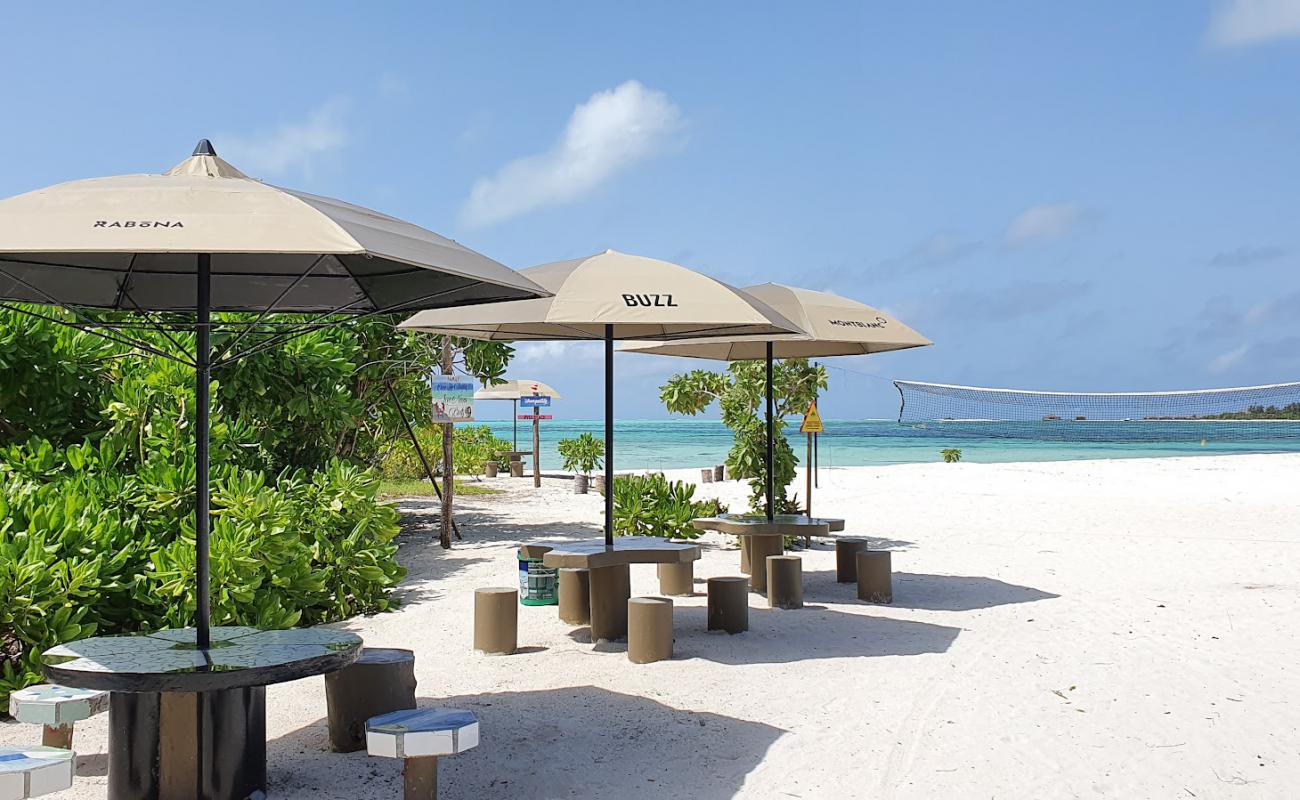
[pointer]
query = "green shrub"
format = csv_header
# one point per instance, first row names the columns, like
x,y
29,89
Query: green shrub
x,y
651,505
583,454
472,447
951,455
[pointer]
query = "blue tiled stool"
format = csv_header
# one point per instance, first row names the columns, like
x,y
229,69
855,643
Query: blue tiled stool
x,y
57,708
34,771
420,736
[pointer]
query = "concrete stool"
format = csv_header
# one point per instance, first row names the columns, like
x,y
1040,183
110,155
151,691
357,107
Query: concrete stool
x,y
516,469
420,736
784,582
610,589
760,547
575,596
649,629
846,559
496,620
706,475
34,771
677,579
381,680
57,708
875,576
729,604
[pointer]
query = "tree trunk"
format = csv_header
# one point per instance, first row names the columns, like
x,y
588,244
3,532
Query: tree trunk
x,y
448,467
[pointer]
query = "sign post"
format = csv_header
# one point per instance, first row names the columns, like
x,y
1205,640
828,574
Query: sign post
x,y
536,402
812,425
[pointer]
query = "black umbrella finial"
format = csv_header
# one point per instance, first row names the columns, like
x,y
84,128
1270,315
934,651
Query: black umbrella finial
x,y
204,148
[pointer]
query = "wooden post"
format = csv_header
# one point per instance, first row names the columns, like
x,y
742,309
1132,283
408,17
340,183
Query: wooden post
x,y
537,449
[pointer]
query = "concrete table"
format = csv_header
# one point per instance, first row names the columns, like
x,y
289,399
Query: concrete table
x,y
186,722
749,526
610,577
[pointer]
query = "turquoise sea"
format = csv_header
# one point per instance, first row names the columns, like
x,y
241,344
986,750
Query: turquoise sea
x,y
679,443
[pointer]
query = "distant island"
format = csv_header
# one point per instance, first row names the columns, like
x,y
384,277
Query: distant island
x,y
1291,411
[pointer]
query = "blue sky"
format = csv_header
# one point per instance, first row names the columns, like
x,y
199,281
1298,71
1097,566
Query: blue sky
x,y
1096,196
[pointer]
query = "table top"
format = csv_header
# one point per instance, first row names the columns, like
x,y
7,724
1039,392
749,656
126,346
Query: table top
x,y
626,550
780,525
170,660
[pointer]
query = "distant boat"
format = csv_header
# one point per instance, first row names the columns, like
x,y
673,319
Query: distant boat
x,y
1051,418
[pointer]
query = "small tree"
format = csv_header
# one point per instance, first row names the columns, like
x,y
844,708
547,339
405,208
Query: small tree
x,y
741,395
951,455
582,454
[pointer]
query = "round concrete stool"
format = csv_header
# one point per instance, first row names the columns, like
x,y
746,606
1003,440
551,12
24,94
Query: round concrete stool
x,y
677,579
649,629
610,589
729,604
496,620
875,576
846,559
380,681
760,547
516,469
575,596
785,582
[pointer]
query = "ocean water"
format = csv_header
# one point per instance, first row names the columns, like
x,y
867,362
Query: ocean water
x,y
680,443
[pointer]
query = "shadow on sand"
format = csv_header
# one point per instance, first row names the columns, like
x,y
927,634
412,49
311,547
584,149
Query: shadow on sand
x,y
543,744
929,592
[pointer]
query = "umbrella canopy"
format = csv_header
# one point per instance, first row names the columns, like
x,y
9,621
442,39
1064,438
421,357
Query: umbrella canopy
x,y
832,325
643,298
205,237
611,296
129,242
513,390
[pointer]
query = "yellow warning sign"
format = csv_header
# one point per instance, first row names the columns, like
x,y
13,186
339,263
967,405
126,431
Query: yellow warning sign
x,y
812,421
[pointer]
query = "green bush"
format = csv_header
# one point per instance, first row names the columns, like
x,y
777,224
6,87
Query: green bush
x,y
472,446
97,487
951,455
582,454
651,505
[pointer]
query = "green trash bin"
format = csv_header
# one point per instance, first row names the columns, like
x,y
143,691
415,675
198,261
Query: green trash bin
x,y
539,585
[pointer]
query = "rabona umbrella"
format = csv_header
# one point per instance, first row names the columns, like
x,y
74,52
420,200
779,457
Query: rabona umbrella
x,y
204,237
513,390
832,326
613,296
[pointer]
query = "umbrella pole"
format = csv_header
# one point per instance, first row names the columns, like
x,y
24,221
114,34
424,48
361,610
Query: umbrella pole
x,y
202,382
771,444
609,435
514,416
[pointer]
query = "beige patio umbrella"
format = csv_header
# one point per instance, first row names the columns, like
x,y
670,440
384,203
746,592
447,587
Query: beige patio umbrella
x,y
832,325
513,390
612,296
205,237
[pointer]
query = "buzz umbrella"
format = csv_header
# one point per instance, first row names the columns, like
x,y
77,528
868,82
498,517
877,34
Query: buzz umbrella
x,y
832,326
203,237
613,296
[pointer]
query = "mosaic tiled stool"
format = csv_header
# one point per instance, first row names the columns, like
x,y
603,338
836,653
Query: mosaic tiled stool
x,y
420,736
57,708
34,771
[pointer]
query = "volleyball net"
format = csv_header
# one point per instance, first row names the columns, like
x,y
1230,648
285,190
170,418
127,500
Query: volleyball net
x,y
1238,414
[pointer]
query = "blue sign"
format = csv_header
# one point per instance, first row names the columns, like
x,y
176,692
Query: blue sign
x,y
535,401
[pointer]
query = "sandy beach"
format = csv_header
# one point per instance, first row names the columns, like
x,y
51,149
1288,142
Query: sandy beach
x,y
1072,629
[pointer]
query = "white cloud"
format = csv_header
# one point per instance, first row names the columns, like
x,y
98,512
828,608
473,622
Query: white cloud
x,y
606,135
1228,360
1241,23
560,352
291,147
1045,224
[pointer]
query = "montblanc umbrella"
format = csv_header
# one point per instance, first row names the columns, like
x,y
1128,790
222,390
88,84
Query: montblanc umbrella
x,y
513,390
832,325
612,296
205,237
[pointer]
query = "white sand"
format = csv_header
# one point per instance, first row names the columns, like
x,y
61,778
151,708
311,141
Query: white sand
x,y
1089,629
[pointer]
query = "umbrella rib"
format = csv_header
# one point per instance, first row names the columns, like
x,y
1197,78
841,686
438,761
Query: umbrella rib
x,y
97,330
156,324
231,346
121,285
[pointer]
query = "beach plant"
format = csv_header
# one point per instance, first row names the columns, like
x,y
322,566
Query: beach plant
x,y
651,505
582,454
951,455
740,395
97,486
